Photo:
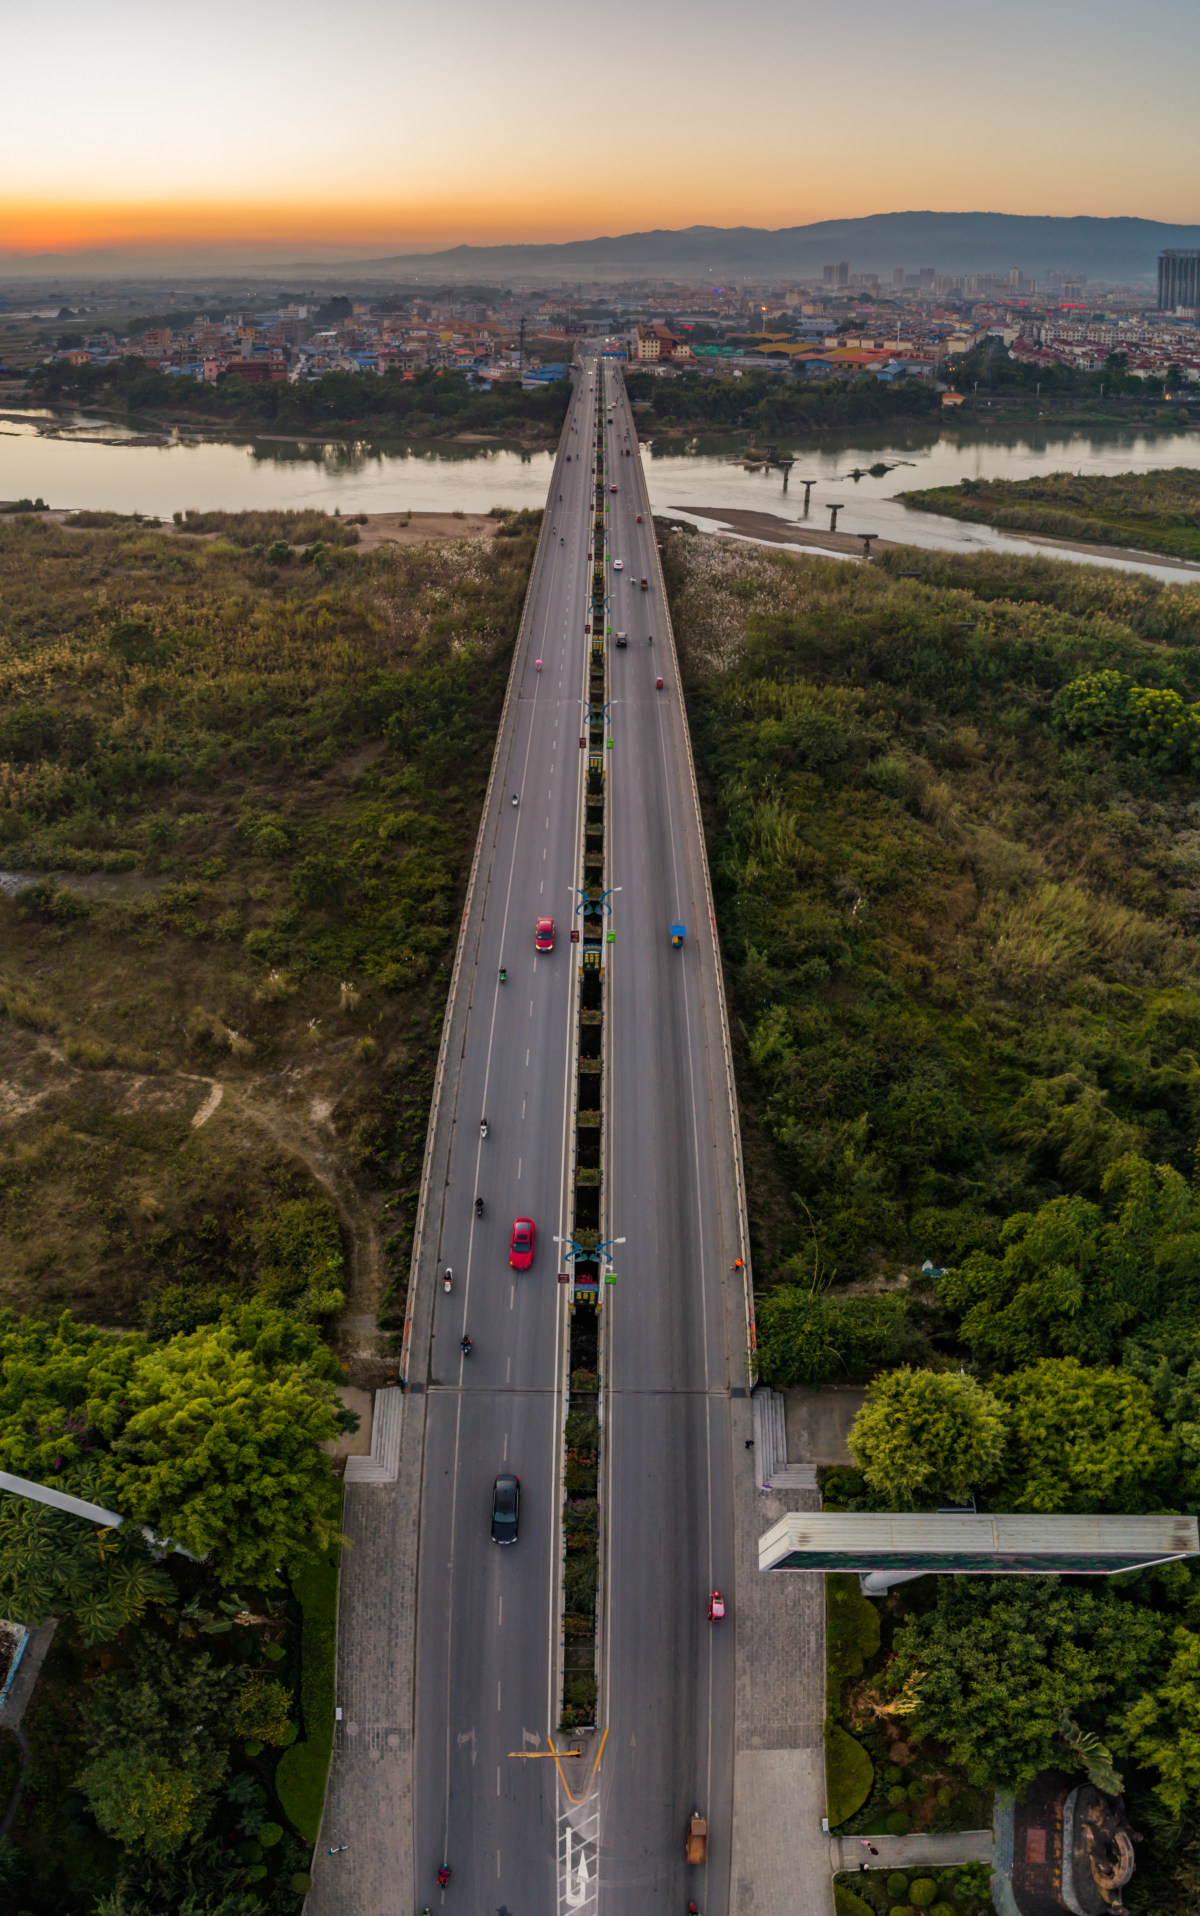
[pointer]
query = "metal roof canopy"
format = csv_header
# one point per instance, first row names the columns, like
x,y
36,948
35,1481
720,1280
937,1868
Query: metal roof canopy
x,y
889,1547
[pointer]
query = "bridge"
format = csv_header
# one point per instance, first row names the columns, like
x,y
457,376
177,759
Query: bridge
x,y
604,1070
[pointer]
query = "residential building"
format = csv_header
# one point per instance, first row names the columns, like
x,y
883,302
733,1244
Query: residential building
x,y
1178,280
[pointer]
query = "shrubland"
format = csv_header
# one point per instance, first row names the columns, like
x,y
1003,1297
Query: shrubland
x,y
953,824
238,792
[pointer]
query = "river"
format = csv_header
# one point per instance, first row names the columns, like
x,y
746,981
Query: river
x,y
88,461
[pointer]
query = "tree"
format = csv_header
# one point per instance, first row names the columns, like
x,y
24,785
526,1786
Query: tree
x,y
221,1456
999,1660
1072,1276
211,1438
1083,1439
262,1711
158,1735
143,1799
52,1563
1162,1727
807,1339
923,1434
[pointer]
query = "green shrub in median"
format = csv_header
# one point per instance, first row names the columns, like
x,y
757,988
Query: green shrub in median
x,y
301,1771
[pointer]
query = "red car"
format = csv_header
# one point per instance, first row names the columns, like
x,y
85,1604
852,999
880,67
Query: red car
x,y
520,1248
543,937
612,488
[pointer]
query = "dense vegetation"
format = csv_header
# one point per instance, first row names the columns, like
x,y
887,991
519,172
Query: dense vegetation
x,y
238,789
262,781
954,833
1153,511
424,405
777,403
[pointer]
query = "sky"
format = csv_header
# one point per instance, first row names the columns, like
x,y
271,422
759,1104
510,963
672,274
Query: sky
x,y
381,125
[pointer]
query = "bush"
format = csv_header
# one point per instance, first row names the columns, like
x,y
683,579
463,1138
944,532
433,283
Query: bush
x,y
846,1903
897,1886
897,1795
819,1340
943,1909
923,1893
302,1770
917,1790
849,1774
899,1823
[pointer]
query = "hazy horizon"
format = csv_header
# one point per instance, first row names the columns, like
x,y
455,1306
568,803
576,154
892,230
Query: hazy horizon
x,y
268,136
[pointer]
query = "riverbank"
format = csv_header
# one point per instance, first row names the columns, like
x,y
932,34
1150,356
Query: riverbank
x,y
770,528
375,529
1157,511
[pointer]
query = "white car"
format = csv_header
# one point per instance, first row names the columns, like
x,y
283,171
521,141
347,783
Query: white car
x,y
618,565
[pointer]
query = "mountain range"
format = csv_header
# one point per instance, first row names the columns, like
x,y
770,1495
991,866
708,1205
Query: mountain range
x,y
1122,249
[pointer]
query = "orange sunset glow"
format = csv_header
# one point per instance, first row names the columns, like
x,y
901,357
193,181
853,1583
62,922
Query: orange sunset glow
x,y
382,137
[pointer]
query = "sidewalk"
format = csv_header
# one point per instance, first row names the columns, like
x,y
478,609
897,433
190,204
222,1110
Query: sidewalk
x,y
780,1854
903,1852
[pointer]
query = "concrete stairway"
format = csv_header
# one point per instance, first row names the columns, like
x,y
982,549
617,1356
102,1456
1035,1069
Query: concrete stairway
x,y
770,1446
382,1466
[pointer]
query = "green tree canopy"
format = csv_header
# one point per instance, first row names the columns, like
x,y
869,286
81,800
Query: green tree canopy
x,y
997,1662
1161,1728
1072,1277
923,1434
211,1437
807,1339
52,1562
157,1735
222,1456
1083,1439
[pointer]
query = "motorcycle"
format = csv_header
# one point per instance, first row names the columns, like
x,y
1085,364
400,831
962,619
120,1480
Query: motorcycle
x,y
447,1280
479,1207
483,1127
515,801
537,663
503,975
443,1876
465,1347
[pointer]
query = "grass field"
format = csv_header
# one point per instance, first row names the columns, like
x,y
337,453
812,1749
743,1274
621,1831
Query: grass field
x,y
237,800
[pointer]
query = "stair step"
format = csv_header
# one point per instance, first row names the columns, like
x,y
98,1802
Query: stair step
x,y
383,1465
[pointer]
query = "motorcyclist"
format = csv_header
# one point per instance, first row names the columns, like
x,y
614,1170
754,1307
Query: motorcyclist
x,y
465,1347
443,1876
479,1207
515,801
503,974
483,1127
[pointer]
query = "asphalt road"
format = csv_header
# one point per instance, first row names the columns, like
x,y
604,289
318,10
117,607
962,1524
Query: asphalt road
x,y
486,1620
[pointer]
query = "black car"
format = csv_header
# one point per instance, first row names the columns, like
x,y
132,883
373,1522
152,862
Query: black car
x,y
506,1509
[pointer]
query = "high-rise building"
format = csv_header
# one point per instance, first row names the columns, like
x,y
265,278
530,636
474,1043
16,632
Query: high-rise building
x,y
837,275
1178,279
897,276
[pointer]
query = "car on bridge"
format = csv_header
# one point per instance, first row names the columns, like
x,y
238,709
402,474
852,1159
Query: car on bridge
x,y
506,1508
543,937
520,1245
